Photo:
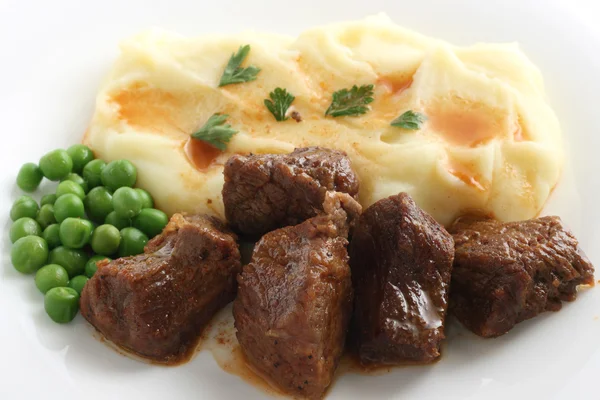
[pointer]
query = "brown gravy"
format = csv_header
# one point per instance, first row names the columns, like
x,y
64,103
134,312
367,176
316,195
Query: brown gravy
x,y
395,85
141,358
465,174
149,108
235,364
219,338
518,134
200,154
463,123
350,364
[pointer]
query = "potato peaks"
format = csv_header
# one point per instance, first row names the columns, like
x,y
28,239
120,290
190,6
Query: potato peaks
x,y
490,142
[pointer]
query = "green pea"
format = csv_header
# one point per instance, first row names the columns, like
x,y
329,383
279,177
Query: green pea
x,y
48,199
78,282
151,221
127,202
75,233
51,236
78,180
81,155
46,216
24,206
51,276
119,173
91,267
106,239
28,254
70,187
98,203
56,165
116,221
68,206
24,227
61,304
132,242
70,259
147,201
29,177
92,172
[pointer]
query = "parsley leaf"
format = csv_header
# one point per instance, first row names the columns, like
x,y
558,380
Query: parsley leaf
x,y
234,73
351,102
215,132
279,103
410,120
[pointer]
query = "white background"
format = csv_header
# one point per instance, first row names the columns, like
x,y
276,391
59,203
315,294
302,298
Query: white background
x,y
53,55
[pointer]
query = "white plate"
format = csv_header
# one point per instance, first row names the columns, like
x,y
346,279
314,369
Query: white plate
x,y
53,56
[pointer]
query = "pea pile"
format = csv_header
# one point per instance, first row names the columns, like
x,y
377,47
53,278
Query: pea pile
x,y
94,214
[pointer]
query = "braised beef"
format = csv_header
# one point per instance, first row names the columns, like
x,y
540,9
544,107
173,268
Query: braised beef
x,y
156,304
401,261
505,273
266,192
295,300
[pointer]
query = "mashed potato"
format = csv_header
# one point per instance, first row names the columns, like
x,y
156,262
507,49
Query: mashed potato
x,y
490,143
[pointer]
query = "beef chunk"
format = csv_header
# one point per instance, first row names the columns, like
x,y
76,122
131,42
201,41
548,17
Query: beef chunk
x,y
266,192
401,261
295,300
156,304
505,273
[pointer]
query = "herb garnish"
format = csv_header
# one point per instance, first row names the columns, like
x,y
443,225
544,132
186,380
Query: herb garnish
x,y
351,102
279,103
234,73
215,132
410,120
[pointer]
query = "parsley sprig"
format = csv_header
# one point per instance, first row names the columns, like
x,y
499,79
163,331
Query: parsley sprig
x,y
215,132
280,101
234,73
410,120
351,102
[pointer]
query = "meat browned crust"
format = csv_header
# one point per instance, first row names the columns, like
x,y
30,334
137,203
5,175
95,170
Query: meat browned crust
x,y
295,300
505,273
401,261
157,303
266,192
